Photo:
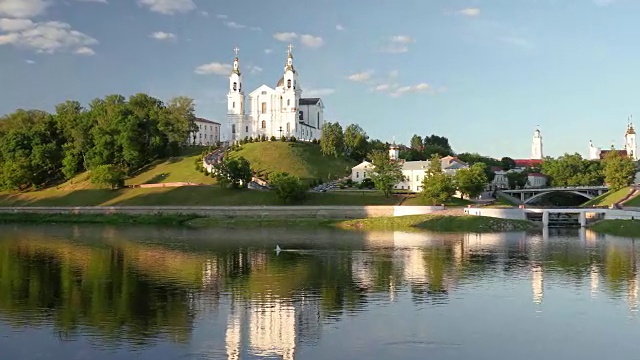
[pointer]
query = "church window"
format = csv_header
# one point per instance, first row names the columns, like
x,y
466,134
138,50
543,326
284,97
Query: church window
x,y
264,93
246,129
288,127
264,124
264,107
234,104
288,102
289,83
280,102
318,121
235,86
357,174
233,129
300,116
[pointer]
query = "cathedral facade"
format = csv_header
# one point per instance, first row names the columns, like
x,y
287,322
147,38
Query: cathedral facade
x,y
278,112
630,146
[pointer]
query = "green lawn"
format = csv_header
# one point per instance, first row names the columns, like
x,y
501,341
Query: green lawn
x,y
181,196
440,223
418,201
633,201
626,228
301,159
608,198
175,169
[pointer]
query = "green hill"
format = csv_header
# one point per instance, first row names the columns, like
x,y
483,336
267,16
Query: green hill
x,y
608,198
301,159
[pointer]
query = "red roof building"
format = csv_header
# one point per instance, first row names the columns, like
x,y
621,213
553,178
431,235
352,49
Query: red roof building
x,y
524,163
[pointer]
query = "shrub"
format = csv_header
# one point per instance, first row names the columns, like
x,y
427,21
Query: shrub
x,y
283,139
273,138
288,188
206,172
292,139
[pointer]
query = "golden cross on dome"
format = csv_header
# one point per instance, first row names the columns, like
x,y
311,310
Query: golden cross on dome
x,y
236,50
290,47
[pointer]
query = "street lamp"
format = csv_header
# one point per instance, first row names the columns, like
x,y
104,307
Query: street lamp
x,y
280,131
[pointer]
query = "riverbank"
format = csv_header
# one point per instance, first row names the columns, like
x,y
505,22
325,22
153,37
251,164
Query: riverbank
x,y
624,228
432,222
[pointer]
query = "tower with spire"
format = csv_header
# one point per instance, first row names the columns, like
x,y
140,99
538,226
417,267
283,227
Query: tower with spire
x,y
273,112
536,145
630,144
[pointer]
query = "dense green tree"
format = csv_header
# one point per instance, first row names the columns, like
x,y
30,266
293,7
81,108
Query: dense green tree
x,y
332,139
355,142
437,141
471,181
108,175
517,179
234,172
437,187
619,171
288,188
386,173
572,170
416,143
507,163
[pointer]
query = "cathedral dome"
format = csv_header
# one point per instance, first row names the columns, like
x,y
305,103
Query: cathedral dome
x,y
280,82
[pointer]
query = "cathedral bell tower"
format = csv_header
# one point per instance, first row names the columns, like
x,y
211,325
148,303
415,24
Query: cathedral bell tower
x,y
235,96
290,94
536,146
630,144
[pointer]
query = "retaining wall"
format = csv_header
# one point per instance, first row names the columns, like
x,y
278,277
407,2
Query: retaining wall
x,y
270,212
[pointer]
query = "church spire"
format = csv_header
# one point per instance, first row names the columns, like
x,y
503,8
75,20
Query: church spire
x,y
236,63
289,65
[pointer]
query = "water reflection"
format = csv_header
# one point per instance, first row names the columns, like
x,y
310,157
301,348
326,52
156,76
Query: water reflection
x,y
227,294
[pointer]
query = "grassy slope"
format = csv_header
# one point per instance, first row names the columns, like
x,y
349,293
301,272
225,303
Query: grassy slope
x,y
304,160
441,223
608,198
626,228
301,159
418,201
633,202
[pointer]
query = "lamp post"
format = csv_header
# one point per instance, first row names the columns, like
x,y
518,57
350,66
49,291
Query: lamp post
x,y
281,132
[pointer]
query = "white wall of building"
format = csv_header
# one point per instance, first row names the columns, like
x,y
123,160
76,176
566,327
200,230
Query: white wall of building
x,y
208,133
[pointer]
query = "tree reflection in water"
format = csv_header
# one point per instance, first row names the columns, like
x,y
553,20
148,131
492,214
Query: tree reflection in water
x,y
142,285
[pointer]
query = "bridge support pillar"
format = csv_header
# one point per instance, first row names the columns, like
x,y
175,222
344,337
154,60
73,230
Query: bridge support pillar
x,y
545,219
522,197
583,219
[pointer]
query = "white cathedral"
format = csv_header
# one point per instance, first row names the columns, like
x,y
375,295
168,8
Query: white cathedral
x,y
273,112
630,146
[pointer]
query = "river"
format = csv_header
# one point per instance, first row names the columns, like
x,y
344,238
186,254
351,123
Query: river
x,y
104,292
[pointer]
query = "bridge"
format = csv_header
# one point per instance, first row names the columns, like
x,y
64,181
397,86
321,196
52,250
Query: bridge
x,y
529,195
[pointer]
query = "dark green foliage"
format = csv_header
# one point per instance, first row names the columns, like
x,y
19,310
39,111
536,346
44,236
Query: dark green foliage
x,y
273,138
37,148
288,188
234,172
108,175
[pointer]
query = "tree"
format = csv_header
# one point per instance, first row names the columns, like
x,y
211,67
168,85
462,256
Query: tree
x,y
355,142
179,122
619,171
235,172
437,187
438,142
416,143
332,139
471,181
288,188
108,175
573,170
386,172
517,179
507,163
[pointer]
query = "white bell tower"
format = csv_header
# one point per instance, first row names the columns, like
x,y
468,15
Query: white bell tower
x,y
536,146
630,144
291,93
235,97
394,151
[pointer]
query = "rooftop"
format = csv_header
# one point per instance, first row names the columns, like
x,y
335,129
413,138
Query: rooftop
x,y
309,101
202,120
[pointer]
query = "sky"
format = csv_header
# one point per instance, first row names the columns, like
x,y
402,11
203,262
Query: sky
x,y
482,73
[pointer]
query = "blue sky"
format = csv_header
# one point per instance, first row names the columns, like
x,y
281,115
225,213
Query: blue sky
x,y
482,73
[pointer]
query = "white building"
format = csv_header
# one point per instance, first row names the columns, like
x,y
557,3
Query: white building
x,y
279,111
412,171
630,146
536,146
534,180
208,133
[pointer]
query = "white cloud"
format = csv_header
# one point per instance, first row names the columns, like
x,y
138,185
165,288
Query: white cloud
x,y
46,37
422,87
382,87
10,25
222,16
311,41
254,69
285,36
214,68
168,7
161,35
471,12
30,62
319,92
234,25
204,13
85,51
402,39
23,8
340,27
360,77
268,51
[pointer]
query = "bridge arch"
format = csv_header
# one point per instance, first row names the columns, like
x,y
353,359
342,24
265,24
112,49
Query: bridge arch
x,y
537,196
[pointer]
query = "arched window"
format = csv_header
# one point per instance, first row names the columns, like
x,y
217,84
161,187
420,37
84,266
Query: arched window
x,y
318,121
288,127
235,86
289,83
264,124
233,128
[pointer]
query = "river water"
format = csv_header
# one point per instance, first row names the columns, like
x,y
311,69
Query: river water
x,y
101,292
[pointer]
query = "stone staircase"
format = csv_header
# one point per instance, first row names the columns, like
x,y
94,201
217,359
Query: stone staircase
x,y
634,192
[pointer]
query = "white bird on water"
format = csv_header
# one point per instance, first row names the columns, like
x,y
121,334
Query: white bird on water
x,y
278,250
